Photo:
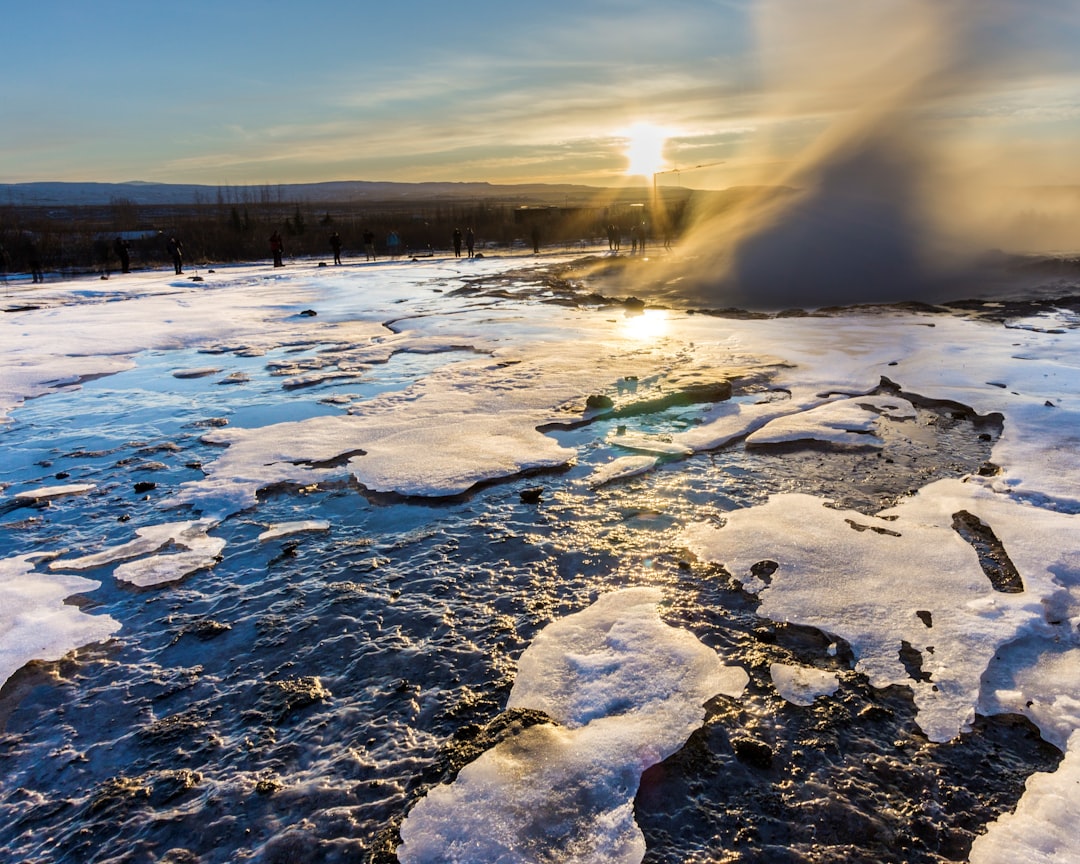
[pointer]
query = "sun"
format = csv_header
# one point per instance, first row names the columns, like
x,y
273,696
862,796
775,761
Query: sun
x,y
645,148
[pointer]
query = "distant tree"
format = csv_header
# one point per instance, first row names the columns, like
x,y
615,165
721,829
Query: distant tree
x,y
296,225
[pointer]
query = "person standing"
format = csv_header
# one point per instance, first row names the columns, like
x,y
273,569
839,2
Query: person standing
x,y
101,256
369,245
277,249
33,258
457,242
120,247
470,241
176,250
393,244
335,245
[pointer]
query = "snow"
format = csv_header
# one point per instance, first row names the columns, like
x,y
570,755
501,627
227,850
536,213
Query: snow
x,y
624,691
476,418
910,560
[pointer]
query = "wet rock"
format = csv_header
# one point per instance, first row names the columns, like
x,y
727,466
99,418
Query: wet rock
x,y
180,856
268,786
309,313
175,727
994,560
752,752
172,783
599,402
145,486
471,740
280,699
117,792
533,495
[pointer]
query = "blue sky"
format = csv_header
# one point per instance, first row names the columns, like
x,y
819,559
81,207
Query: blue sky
x,y
236,92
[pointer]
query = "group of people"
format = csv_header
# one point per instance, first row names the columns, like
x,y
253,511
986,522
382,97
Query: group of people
x,y
121,248
637,238
470,242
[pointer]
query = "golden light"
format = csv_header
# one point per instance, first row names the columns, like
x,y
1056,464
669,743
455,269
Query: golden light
x,y
645,148
645,326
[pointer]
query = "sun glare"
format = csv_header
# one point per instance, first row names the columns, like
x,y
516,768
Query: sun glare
x,y
645,149
647,326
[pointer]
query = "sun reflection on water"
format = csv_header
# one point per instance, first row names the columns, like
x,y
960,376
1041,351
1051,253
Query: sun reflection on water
x,y
648,325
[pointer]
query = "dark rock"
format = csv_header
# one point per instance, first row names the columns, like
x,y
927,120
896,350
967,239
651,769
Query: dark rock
x,y
145,486
281,698
750,751
309,313
533,495
599,403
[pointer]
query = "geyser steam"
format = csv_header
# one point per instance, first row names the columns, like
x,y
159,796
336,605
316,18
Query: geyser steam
x,y
888,203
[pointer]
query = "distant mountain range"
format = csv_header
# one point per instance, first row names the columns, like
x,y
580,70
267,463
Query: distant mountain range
x,y
54,194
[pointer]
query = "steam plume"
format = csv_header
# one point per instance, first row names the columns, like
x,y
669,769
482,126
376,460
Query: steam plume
x,y
888,203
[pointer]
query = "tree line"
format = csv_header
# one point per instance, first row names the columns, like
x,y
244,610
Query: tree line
x,y
79,239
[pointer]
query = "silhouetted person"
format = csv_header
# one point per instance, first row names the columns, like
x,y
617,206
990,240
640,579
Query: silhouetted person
x,y
369,245
335,244
176,250
101,256
393,244
536,239
4,262
612,238
33,258
470,241
277,249
457,242
120,247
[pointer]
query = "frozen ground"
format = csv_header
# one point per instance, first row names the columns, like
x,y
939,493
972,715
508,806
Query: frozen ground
x,y
296,564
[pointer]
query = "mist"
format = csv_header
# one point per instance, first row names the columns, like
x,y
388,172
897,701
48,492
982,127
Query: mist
x,y
905,186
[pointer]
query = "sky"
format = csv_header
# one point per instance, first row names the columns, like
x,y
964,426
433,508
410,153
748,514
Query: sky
x,y
238,92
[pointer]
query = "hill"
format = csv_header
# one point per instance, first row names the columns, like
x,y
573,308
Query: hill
x,y
73,194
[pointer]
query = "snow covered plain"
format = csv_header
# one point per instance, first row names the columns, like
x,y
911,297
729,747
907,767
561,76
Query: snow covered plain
x,y
315,518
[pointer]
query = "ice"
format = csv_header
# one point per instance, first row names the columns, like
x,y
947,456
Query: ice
x,y
621,468
197,372
649,444
625,691
284,529
866,579
801,685
845,422
46,492
35,623
199,551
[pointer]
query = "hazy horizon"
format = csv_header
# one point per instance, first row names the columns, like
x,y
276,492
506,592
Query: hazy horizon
x,y
266,94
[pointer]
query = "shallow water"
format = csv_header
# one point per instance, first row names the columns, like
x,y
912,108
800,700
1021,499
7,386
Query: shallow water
x,y
293,702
